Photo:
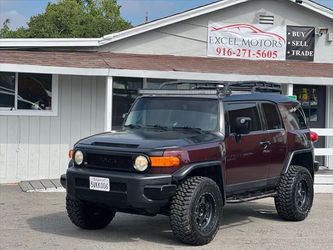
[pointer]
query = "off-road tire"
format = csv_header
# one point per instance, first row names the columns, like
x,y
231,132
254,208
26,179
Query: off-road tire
x,y
184,210
287,201
87,215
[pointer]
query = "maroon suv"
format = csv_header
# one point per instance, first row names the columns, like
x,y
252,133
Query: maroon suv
x,y
186,153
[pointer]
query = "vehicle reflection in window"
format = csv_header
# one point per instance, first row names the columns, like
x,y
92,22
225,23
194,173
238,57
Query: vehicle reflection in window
x,y
34,91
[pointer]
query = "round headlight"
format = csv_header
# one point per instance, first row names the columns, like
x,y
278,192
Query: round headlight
x,y
141,163
78,157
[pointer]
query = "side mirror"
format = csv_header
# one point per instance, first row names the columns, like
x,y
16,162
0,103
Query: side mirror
x,y
124,116
243,125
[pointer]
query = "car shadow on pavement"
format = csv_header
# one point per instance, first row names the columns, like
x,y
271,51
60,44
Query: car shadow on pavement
x,y
131,228
243,213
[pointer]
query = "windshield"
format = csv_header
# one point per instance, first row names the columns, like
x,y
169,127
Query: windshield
x,y
173,113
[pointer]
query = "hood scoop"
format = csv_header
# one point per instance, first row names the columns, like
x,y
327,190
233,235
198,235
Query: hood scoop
x,y
114,145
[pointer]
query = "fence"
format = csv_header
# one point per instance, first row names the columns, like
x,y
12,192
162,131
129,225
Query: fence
x,y
328,150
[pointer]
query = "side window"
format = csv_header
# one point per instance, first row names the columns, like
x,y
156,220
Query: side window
x,y
243,110
294,115
298,112
272,116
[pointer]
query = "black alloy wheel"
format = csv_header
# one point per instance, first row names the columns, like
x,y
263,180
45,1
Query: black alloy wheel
x,y
195,211
302,192
204,212
295,194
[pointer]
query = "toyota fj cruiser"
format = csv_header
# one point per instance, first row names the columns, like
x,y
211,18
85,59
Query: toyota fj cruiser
x,y
186,153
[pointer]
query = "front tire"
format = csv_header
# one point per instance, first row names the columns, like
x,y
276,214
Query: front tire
x,y
295,194
195,211
88,215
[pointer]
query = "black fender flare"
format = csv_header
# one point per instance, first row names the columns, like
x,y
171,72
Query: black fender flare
x,y
292,154
185,171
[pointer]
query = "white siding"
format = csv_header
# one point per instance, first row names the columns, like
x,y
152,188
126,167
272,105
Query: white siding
x,y
189,38
37,147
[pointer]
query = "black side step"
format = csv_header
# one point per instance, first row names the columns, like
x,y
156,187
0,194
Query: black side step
x,y
250,197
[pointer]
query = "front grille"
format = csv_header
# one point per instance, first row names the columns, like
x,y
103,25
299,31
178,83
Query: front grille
x,y
114,162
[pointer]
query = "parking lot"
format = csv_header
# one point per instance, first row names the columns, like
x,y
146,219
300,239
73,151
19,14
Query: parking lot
x,y
39,221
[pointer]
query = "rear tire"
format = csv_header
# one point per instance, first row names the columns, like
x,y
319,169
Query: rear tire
x,y
295,194
88,215
195,212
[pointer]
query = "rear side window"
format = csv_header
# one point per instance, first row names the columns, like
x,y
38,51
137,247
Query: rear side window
x,y
272,116
243,110
293,113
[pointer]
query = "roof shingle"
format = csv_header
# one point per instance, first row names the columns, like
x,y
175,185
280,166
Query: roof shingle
x,y
166,63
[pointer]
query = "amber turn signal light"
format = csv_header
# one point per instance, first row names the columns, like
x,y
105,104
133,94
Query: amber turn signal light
x,y
165,161
71,153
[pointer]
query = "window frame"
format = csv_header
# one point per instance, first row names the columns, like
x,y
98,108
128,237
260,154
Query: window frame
x,y
264,118
218,104
256,105
4,111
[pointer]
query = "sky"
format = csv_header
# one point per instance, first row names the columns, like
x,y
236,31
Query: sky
x,y
20,11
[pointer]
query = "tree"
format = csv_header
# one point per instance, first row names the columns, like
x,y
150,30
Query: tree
x,y
72,19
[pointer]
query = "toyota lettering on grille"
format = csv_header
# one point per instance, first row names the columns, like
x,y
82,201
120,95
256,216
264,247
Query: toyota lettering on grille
x,y
107,161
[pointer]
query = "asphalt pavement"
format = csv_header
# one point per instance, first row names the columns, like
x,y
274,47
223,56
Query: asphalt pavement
x,y
39,221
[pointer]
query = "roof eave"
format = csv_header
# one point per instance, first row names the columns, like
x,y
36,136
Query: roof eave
x,y
96,42
185,75
50,42
170,20
317,8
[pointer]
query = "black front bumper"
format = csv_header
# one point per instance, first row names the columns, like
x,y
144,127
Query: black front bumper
x,y
128,191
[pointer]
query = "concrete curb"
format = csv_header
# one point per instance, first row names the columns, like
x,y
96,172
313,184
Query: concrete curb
x,y
323,183
43,186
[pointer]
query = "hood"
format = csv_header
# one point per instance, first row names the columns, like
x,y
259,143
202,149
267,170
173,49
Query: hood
x,y
150,138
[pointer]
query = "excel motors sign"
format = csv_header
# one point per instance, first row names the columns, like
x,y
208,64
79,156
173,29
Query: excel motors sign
x,y
248,41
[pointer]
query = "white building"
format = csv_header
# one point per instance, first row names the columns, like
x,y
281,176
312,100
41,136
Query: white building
x,y
56,91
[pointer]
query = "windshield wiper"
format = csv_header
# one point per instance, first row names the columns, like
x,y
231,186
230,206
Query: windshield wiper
x,y
132,126
198,130
157,126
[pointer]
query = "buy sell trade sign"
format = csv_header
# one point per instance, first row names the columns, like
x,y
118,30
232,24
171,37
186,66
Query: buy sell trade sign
x,y
260,42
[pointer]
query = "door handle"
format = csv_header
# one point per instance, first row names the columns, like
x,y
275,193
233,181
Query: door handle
x,y
265,144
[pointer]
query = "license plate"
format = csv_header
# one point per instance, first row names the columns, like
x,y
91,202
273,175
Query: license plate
x,y
99,184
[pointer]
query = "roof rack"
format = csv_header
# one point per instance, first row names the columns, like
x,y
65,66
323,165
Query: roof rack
x,y
255,86
215,88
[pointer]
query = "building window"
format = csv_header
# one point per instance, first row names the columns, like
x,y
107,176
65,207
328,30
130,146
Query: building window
x,y
125,90
309,100
313,101
28,94
154,83
7,90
